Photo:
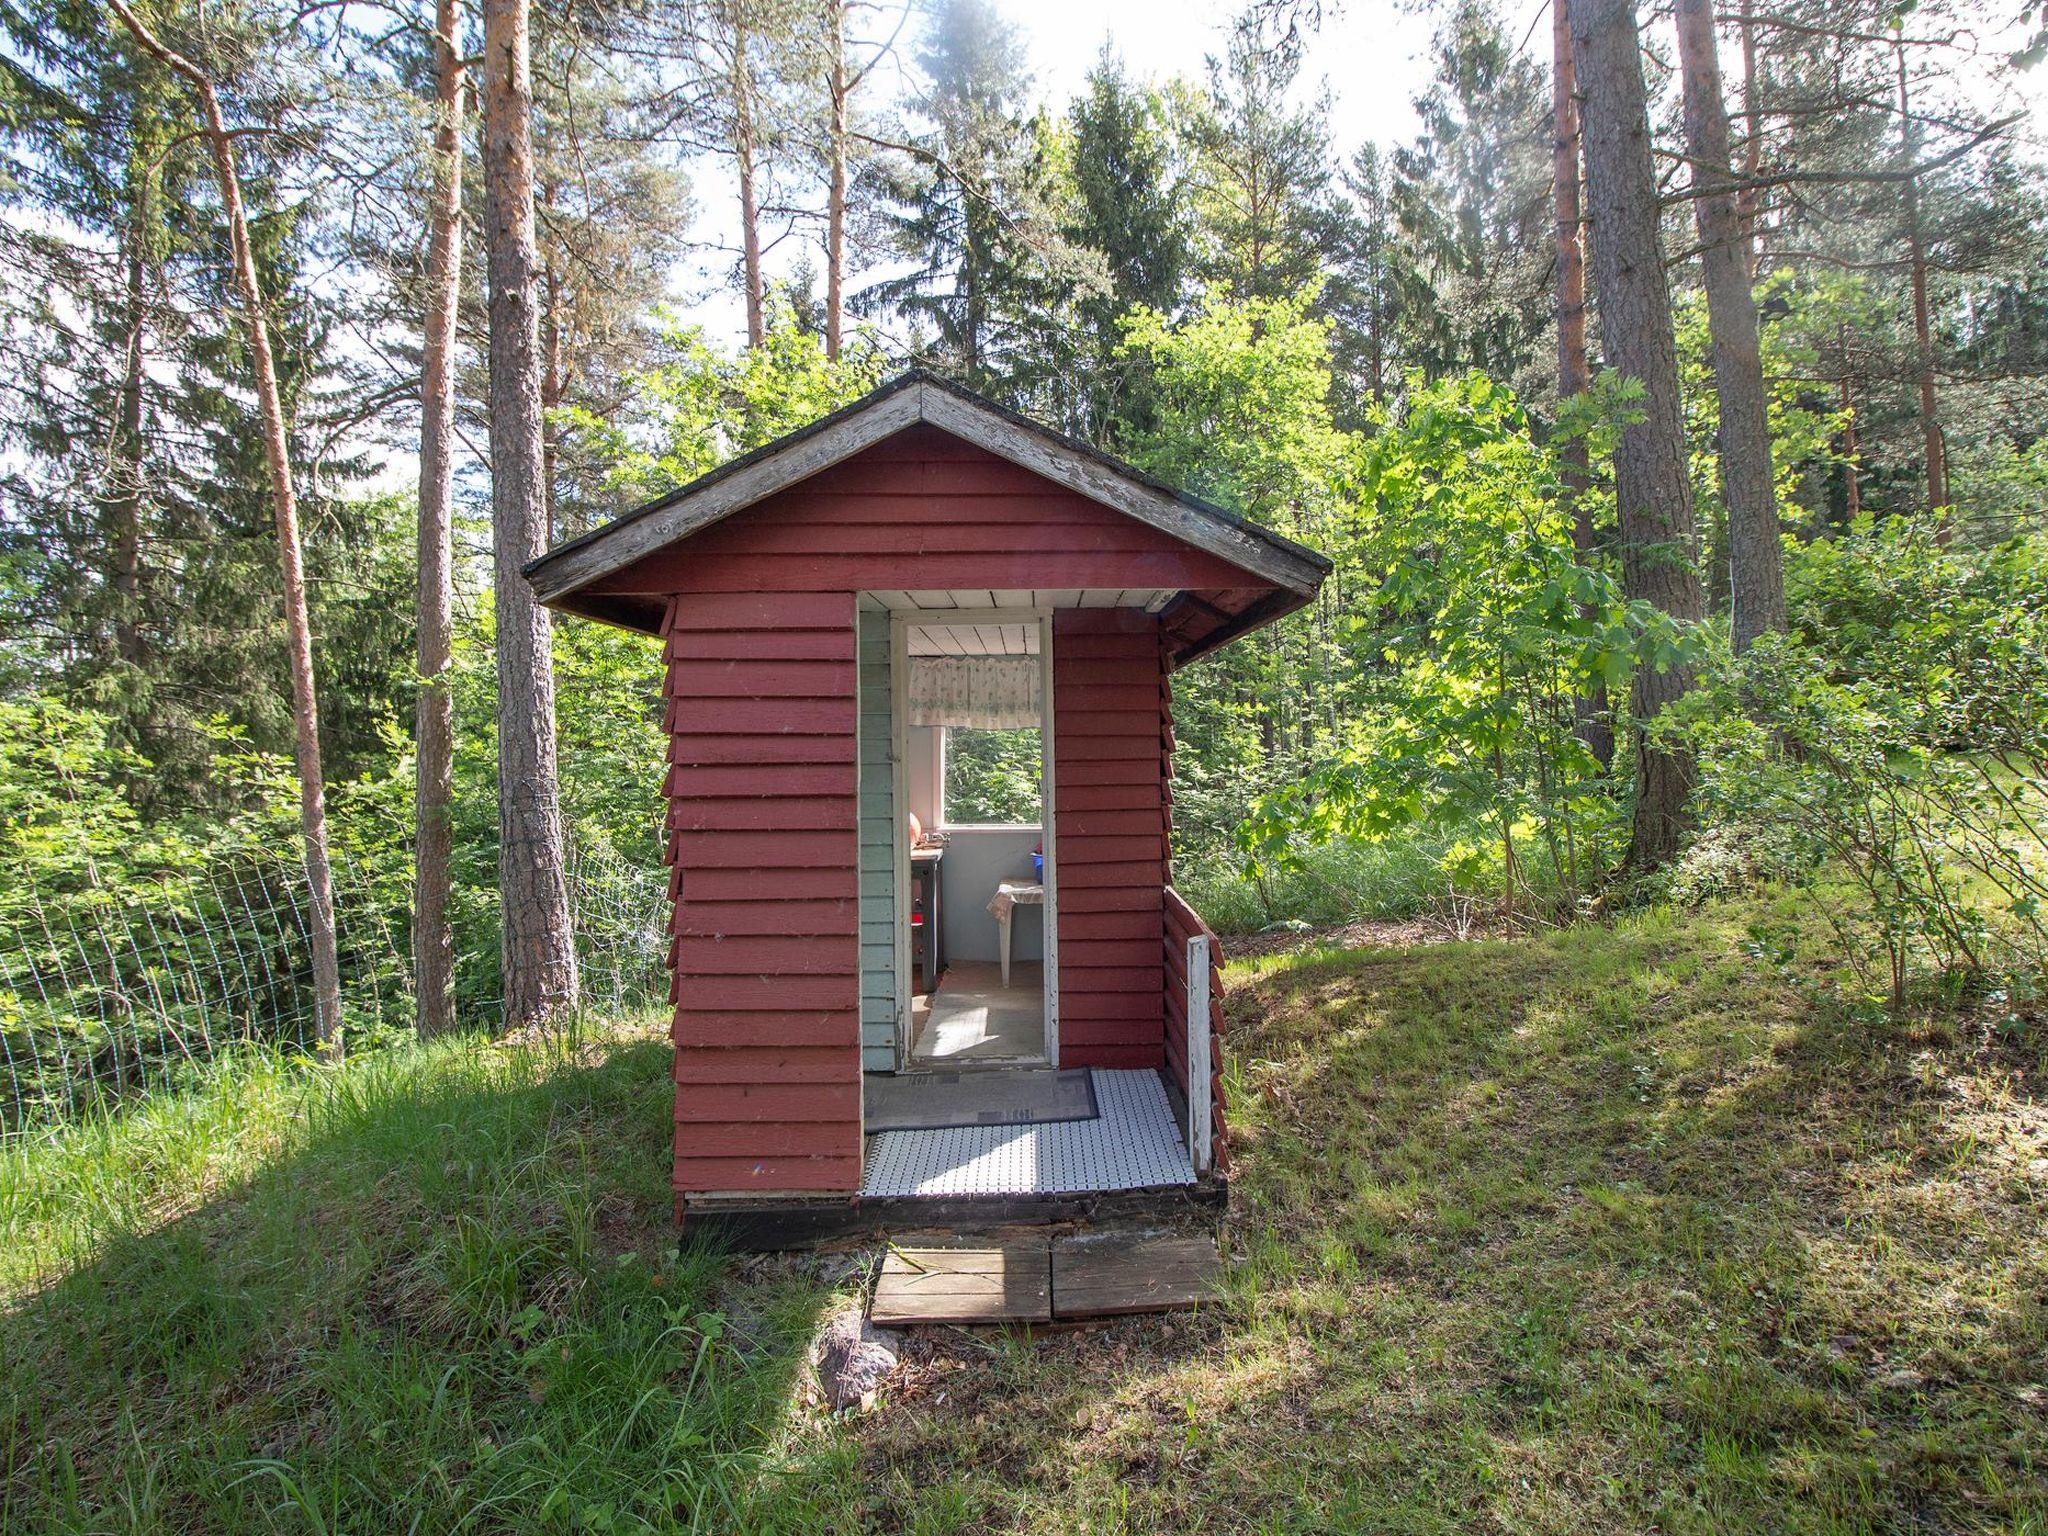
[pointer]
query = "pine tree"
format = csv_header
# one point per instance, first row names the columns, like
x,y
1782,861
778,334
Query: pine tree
x,y
1265,208
1748,490
539,954
284,504
1471,199
1129,207
1653,495
970,210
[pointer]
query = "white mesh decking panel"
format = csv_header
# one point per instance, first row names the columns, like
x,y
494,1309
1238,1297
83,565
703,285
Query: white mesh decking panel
x,y
1131,1144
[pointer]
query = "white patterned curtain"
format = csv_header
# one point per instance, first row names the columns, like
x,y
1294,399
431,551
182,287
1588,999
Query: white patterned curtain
x,y
989,693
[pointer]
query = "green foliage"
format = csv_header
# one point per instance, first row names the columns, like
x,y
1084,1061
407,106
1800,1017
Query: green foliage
x,y
703,404
1261,175
993,778
1805,426
134,945
440,1284
1241,393
1491,629
1896,737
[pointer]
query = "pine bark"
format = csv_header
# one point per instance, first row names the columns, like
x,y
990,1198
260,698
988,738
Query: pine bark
x,y
1756,578
123,500
1933,444
1746,201
1652,494
220,146
745,152
433,936
1852,471
537,945
1574,374
835,197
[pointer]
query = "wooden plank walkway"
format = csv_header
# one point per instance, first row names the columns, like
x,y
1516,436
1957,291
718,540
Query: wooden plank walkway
x,y
1096,1275
1038,1280
1011,1283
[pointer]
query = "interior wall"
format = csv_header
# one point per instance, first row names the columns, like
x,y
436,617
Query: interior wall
x,y
976,862
921,778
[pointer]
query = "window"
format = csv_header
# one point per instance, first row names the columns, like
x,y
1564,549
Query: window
x,y
991,778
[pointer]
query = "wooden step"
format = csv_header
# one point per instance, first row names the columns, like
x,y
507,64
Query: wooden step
x,y
1010,1283
1102,1274
1038,1280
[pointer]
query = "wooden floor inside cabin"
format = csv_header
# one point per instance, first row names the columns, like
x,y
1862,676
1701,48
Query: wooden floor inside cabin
x,y
972,1016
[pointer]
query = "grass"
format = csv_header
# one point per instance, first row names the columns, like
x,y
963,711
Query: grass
x,y
1617,1229
1339,882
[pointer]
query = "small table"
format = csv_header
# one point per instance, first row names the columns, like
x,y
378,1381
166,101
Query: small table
x,y
925,872
1009,895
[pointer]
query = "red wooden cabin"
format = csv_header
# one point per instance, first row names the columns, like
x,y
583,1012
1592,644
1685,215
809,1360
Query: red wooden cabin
x,y
858,621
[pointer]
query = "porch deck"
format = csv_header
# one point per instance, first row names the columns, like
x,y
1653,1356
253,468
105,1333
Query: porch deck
x,y
1133,1143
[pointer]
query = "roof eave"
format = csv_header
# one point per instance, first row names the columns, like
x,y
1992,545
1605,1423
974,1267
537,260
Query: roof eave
x,y
914,397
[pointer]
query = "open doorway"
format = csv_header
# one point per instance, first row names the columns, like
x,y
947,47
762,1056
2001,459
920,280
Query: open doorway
x,y
979,985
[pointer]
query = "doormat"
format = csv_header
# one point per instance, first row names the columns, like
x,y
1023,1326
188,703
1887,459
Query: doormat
x,y
942,1101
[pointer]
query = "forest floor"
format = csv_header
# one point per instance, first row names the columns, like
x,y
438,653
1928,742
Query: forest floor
x,y
1618,1228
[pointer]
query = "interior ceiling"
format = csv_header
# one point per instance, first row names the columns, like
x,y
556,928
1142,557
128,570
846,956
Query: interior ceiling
x,y
960,639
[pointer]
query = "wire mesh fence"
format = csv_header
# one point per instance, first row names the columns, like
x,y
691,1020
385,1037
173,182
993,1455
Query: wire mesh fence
x,y
107,993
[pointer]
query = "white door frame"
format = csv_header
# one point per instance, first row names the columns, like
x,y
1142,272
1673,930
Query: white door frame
x,y
901,621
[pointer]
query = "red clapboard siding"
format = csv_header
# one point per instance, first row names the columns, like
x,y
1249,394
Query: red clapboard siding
x,y
782,1103
681,569
712,919
761,821
745,813
748,644
770,992
760,706
798,883
1109,802
766,1026
766,608
792,779
695,1141
922,502
745,677
768,1063
688,749
767,1175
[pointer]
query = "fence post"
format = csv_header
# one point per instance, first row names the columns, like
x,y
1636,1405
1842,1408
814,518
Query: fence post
x,y
1200,1120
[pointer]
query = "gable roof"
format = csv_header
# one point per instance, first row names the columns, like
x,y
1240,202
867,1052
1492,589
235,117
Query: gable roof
x,y
910,398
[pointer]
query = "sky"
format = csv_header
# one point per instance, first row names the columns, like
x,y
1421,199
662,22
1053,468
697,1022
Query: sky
x,y
1372,54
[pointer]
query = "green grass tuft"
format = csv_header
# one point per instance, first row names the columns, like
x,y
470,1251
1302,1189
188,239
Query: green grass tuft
x,y
1616,1229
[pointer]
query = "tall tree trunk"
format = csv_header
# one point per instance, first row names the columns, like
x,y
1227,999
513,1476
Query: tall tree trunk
x,y
538,947
123,499
1652,495
1591,722
284,506
553,381
1852,470
433,936
745,149
1933,444
1753,137
1756,579
835,196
